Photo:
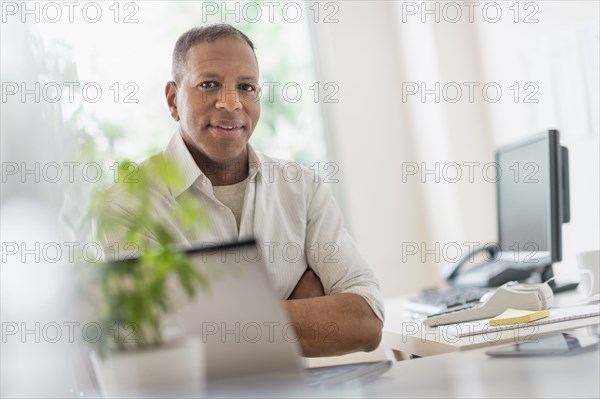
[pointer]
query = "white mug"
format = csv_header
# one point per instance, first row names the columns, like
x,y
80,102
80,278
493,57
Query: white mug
x,y
590,261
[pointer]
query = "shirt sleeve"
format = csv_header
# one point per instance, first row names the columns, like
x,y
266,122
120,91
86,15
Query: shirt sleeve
x,y
333,255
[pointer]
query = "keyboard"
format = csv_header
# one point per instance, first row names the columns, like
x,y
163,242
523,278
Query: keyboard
x,y
433,301
359,372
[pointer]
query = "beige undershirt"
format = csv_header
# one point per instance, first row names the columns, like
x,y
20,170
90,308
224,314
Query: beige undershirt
x,y
232,196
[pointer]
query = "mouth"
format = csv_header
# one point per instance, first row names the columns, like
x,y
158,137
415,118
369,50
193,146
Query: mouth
x,y
226,128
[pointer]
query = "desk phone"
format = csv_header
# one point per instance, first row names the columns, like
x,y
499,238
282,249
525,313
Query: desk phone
x,y
510,295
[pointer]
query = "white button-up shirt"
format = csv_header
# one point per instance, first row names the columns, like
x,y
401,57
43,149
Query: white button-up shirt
x,y
288,210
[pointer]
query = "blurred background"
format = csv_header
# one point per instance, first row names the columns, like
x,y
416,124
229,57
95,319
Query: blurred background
x,y
379,97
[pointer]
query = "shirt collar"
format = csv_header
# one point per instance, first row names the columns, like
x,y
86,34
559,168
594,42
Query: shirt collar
x,y
178,153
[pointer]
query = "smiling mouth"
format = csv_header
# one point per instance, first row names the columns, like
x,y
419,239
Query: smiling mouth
x,y
226,128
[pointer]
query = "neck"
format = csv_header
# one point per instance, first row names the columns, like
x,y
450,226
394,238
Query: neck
x,y
223,173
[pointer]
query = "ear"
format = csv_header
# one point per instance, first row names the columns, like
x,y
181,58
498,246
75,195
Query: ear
x,y
171,95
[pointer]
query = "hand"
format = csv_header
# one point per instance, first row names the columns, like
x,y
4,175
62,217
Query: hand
x,y
309,286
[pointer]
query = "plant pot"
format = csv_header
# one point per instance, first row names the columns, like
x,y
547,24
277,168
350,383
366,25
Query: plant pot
x,y
173,369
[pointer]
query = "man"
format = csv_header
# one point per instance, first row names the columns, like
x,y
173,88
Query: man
x,y
332,296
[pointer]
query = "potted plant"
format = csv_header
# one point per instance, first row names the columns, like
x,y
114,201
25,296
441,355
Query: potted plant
x,y
134,356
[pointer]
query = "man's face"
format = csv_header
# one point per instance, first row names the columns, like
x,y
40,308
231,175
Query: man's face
x,y
217,100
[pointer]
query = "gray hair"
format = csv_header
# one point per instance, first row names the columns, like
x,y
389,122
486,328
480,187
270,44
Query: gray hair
x,y
208,33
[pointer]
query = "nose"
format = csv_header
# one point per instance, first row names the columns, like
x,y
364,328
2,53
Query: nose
x,y
229,100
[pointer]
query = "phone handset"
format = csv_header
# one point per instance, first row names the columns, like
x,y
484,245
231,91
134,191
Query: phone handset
x,y
491,251
510,295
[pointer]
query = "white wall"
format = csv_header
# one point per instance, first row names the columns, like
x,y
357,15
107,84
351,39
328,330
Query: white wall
x,y
560,54
368,139
376,46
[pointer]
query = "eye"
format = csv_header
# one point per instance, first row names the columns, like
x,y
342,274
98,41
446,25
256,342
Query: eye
x,y
209,85
247,87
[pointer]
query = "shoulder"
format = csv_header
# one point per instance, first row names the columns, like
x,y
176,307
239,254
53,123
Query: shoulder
x,y
293,183
286,171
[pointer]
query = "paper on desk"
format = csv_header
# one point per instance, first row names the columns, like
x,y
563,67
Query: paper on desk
x,y
471,328
516,316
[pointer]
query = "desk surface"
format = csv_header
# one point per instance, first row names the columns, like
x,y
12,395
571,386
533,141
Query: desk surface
x,y
474,374
471,374
405,334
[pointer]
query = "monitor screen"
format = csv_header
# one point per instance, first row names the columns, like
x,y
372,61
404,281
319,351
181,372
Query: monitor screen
x,y
528,193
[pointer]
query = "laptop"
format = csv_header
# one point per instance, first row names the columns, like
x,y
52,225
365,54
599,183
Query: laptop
x,y
245,328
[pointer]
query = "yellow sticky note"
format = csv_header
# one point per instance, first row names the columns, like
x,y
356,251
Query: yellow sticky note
x,y
514,316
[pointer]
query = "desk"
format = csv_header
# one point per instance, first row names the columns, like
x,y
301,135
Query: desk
x,y
405,334
474,374
454,375
459,375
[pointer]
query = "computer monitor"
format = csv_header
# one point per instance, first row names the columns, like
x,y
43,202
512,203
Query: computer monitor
x,y
533,201
532,190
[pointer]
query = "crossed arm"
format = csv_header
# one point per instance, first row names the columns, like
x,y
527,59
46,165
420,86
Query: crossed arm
x,y
334,324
